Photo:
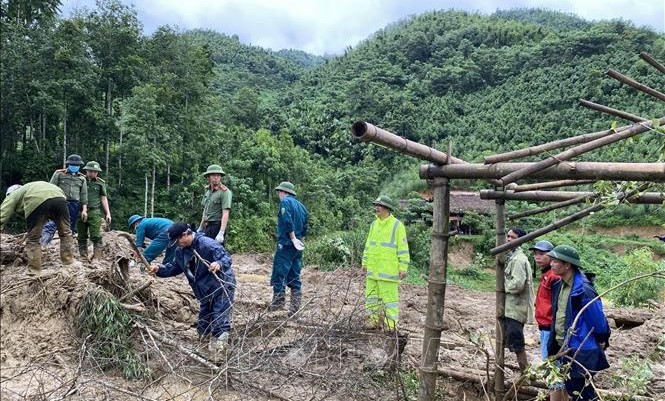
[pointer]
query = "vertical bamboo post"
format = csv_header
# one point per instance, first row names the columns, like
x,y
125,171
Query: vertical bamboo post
x,y
500,300
436,289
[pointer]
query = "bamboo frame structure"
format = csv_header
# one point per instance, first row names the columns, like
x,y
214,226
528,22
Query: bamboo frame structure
x,y
443,168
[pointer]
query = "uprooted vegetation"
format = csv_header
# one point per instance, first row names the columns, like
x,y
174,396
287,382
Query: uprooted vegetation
x,y
109,332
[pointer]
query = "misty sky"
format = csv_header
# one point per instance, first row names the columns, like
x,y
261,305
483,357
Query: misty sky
x,y
329,26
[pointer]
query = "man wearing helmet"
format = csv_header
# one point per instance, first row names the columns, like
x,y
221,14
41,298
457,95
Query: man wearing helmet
x,y
75,187
97,204
216,204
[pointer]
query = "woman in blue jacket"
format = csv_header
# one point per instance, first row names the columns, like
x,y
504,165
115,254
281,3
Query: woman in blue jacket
x,y
207,267
582,345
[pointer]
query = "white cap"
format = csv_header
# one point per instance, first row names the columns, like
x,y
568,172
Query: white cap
x,y
12,188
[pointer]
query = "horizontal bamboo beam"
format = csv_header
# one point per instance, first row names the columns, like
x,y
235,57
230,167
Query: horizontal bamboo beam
x,y
561,143
554,206
637,85
611,111
649,59
653,198
548,184
569,170
578,150
367,132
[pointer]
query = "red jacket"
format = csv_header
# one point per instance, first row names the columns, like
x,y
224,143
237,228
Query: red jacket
x,y
544,299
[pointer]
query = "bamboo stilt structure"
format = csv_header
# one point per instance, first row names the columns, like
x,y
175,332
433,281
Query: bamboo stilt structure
x,y
499,387
637,85
550,184
644,198
578,150
654,63
654,172
561,143
548,208
436,290
613,112
367,132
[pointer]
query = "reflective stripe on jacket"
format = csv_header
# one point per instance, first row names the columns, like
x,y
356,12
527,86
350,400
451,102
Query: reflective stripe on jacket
x,y
386,250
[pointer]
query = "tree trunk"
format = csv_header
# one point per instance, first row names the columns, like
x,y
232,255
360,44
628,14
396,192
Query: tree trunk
x,y
64,137
122,131
168,177
152,193
145,198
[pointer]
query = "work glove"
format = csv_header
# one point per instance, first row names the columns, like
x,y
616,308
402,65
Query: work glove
x,y
220,237
298,244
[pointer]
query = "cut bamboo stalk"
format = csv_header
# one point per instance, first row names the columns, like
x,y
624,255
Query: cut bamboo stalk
x,y
611,111
644,198
637,85
436,287
549,184
570,170
367,132
561,143
549,208
654,63
499,387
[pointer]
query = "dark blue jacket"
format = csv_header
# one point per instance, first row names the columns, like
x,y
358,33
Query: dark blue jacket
x,y
151,228
589,352
292,216
207,286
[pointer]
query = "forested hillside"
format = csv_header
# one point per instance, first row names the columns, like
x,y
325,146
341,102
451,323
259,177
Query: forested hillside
x,y
156,110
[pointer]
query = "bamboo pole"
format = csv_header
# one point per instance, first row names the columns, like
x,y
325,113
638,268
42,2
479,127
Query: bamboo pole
x,y
649,59
436,290
550,184
578,150
499,387
645,198
367,132
557,224
561,143
654,172
637,85
548,208
611,111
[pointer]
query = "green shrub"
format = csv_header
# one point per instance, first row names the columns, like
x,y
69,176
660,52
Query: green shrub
x,y
634,375
640,292
341,249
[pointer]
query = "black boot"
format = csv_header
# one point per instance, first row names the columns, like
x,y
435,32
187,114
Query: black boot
x,y
296,296
278,300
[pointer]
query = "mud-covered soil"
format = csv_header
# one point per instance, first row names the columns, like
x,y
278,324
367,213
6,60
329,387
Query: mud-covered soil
x,y
324,352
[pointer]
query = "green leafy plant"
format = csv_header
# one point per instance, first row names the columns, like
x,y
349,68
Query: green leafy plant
x,y
108,328
634,375
642,291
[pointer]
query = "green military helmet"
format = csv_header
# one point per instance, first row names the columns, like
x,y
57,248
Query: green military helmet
x,y
74,160
133,219
286,187
92,166
385,201
214,169
566,253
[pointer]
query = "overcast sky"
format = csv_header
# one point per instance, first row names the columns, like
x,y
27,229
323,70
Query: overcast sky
x,y
329,26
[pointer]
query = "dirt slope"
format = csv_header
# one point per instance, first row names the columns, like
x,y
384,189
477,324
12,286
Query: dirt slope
x,y
322,353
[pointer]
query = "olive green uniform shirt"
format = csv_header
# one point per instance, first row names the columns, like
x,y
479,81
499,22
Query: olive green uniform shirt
x,y
520,296
96,189
214,202
560,318
26,199
74,186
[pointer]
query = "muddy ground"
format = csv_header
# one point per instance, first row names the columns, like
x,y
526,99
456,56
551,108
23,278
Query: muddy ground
x,y
324,352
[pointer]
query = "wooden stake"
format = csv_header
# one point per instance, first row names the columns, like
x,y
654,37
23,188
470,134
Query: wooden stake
x,y
631,82
611,111
551,207
646,198
649,59
499,352
550,184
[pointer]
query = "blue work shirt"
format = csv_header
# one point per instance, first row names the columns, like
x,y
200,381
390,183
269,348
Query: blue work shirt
x,y
292,216
151,228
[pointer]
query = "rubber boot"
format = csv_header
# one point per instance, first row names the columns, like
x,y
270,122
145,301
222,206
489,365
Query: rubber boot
x,y
34,253
83,251
278,300
218,347
67,252
296,297
97,251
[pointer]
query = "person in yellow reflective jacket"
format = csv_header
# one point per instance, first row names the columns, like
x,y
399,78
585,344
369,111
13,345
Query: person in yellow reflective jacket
x,y
386,261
